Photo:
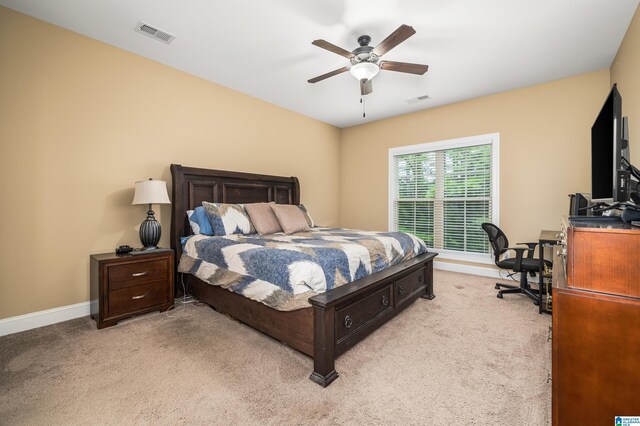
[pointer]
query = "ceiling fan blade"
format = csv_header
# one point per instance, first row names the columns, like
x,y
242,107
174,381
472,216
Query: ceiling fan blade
x,y
395,38
404,67
327,75
332,48
366,86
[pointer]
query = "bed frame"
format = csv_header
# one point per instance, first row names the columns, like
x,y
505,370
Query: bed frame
x,y
338,318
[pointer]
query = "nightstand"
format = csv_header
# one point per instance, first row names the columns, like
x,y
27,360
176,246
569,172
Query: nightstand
x,y
127,285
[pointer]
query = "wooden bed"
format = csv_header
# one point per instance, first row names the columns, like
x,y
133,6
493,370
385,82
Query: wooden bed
x,y
337,319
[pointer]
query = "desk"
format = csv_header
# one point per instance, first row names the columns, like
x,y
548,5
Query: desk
x,y
546,239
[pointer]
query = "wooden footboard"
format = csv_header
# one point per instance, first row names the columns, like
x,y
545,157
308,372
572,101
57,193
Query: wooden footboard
x,y
337,319
345,315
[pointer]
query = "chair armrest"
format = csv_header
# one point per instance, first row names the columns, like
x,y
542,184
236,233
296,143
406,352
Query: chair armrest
x,y
517,267
531,246
520,248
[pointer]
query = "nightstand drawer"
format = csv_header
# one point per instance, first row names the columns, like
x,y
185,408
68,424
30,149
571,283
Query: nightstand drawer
x,y
136,273
131,299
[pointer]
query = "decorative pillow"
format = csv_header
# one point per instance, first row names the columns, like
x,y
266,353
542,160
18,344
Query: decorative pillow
x,y
307,216
199,222
227,219
290,217
263,218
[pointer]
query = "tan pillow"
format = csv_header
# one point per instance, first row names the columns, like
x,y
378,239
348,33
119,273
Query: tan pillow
x,y
263,218
290,217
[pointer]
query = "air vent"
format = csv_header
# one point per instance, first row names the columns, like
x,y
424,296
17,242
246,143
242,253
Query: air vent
x,y
156,33
418,99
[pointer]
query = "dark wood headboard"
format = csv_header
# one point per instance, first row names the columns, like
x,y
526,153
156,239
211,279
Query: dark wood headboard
x,y
192,186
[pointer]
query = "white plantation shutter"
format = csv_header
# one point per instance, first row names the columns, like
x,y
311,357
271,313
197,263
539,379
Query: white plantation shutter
x,y
443,195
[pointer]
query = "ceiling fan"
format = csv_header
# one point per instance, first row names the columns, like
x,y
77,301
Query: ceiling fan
x,y
365,60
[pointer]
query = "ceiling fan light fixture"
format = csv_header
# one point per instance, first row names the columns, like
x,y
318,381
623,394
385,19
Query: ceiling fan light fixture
x,y
365,60
364,70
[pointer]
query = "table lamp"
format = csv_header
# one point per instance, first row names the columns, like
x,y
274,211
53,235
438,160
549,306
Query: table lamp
x,y
150,192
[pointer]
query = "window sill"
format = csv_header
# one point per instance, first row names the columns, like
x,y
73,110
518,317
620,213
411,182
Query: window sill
x,y
486,259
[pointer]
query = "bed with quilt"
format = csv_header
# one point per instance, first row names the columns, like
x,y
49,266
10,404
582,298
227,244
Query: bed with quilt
x,y
262,260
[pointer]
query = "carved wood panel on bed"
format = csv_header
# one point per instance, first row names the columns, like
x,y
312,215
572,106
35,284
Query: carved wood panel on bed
x,y
338,318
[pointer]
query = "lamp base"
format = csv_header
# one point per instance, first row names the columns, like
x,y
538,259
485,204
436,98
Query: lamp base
x,y
150,232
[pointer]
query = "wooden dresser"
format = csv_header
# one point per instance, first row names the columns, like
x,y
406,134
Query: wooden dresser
x,y
126,285
596,323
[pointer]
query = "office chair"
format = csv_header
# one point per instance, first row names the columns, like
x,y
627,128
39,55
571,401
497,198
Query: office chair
x,y
520,263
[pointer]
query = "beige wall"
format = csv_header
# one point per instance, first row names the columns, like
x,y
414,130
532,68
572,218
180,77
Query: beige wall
x,y
80,121
625,71
544,151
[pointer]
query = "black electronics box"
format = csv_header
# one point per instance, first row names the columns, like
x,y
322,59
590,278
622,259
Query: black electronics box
x,y
578,204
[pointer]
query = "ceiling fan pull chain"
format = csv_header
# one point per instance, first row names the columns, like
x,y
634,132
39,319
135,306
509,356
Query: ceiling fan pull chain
x,y
364,110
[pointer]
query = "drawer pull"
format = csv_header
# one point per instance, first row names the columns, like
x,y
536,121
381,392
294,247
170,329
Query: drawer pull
x,y
139,297
140,274
385,300
348,322
401,290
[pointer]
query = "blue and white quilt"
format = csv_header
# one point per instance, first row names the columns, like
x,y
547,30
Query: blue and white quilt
x,y
283,271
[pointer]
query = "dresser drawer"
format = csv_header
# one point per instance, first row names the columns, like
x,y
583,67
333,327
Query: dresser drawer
x,y
131,299
352,317
136,273
407,286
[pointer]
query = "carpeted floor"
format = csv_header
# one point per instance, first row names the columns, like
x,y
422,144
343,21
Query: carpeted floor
x,y
465,357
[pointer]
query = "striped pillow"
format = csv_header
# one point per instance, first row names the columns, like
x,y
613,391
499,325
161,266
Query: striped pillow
x,y
307,216
228,219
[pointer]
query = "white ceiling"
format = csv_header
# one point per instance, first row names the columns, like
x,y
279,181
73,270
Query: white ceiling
x,y
263,47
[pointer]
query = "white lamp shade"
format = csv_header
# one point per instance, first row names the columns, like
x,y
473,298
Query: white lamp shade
x,y
151,192
364,70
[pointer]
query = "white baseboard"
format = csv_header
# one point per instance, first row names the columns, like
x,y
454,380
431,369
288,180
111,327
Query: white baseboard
x,y
478,270
467,269
42,318
65,313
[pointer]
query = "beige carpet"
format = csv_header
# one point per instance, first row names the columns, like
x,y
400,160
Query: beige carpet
x,y
465,357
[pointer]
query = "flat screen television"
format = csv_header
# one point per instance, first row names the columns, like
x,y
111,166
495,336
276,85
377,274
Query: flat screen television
x,y
609,178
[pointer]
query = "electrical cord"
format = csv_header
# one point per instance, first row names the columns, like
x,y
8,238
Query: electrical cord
x,y
509,275
631,168
185,300
512,274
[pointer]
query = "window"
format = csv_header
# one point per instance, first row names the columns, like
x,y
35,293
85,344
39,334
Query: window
x,y
442,192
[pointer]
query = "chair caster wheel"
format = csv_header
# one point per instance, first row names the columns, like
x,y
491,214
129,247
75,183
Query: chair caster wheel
x,y
499,295
497,287
536,302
